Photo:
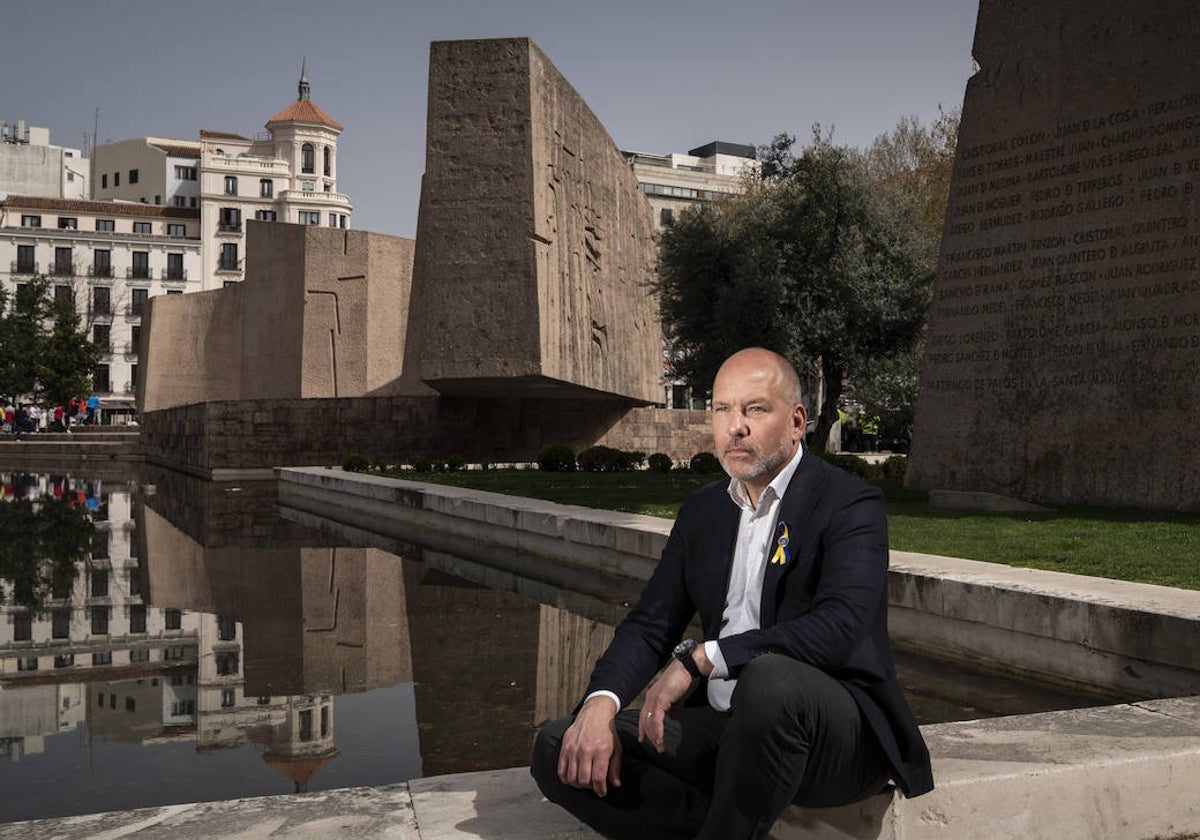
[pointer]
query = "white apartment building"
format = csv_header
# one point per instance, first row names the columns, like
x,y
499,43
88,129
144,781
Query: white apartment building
x,y
674,182
109,258
287,174
148,170
29,165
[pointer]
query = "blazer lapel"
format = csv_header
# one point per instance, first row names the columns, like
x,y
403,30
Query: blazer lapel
x,y
794,514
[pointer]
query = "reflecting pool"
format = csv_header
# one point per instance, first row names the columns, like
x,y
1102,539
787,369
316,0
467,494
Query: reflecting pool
x,y
165,639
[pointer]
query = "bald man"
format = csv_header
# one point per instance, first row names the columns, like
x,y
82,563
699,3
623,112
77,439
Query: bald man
x,y
791,695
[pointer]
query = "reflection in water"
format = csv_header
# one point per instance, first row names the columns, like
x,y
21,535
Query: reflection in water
x,y
165,639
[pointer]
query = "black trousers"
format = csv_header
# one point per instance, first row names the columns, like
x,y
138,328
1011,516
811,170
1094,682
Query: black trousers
x,y
793,735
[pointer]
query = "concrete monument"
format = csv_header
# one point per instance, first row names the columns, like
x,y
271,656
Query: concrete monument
x,y
1063,354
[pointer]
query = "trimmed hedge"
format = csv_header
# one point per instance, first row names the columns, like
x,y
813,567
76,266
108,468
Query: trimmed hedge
x,y
705,463
556,457
660,463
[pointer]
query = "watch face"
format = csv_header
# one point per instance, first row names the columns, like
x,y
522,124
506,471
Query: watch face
x,y
684,648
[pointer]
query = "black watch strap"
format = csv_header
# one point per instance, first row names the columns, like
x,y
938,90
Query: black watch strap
x,y
683,652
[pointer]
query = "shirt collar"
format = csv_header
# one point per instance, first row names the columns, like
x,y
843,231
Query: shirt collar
x,y
778,485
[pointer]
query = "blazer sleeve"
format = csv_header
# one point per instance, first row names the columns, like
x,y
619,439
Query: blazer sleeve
x,y
834,607
644,638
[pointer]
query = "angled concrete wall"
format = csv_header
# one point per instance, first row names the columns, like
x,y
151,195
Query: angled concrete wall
x,y
322,313
535,241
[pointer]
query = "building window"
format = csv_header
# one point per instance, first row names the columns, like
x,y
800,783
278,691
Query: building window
x,y
139,655
105,225
230,219
130,704
133,367
116,179
175,267
185,173
137,618
60,623
102,296
173,653
31,221
266,188
310,217
227,663
64,262
229,257
183,708
104,181
265,215
100,621
308,159
140,270
64,660
101,334
231,185
173,619
227,697
226,629
100,576
178,231
328,162
103,658
306,725
102,263
180,201
27,663
333,220
133,176
142,227
22,627
64,294
68,223
138,300
26,264
100,379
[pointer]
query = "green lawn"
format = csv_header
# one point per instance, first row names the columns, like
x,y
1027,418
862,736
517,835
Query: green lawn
x,y
1146,546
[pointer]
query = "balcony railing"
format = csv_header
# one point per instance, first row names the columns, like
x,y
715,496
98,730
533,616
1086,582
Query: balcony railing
x,y
100,271
228,265
174,273
137,272
229,227
62,270
134,310
23,267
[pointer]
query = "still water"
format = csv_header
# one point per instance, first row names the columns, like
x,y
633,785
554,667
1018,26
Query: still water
x,y
165,640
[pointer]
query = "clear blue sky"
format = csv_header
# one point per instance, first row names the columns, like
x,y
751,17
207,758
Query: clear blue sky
x,y
663,76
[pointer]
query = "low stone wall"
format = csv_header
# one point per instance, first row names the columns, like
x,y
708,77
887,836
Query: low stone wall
x,y
1129,640
225,438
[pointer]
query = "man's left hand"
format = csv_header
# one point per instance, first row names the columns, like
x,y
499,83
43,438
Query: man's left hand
x,y
665,697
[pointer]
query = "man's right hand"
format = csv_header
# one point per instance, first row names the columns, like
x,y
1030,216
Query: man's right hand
x,y
590,756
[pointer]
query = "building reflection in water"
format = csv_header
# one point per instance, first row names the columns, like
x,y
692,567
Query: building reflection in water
x,y
170,611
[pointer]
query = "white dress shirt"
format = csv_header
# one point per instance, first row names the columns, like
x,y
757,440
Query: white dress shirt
x,y
743,600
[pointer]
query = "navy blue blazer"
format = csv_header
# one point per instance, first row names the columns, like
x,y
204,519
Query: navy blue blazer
x,y
827,606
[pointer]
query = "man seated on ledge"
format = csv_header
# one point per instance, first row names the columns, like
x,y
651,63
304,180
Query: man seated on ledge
x,y
791,697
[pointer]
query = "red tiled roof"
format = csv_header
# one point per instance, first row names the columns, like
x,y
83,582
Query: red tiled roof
x,y
126,208
307,111
220,135
178,151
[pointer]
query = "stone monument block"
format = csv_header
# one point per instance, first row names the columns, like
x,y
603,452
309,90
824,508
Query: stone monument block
x,y
1063,353
534,240
323,312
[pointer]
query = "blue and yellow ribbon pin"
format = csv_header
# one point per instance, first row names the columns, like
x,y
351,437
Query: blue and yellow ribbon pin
x,y
781,556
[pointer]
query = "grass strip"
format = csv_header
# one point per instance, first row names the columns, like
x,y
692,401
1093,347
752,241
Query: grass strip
x,y
1160,547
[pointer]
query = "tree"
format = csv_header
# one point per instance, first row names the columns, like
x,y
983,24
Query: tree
x,y
44,352
68,358
811,261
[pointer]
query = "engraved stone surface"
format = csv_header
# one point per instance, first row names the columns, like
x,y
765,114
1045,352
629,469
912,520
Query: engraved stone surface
x,y
534,239
1063,354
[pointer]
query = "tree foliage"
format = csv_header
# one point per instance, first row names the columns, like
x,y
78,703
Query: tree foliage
x,y
41,547
813,262
45,354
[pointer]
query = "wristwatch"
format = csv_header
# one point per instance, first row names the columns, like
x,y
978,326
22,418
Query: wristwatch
x,y
683,652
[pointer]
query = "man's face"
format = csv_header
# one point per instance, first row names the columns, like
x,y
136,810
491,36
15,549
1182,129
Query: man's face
x,y
756,424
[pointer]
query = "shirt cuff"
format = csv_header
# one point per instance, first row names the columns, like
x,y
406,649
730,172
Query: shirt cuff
x,y
604,693
713,651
